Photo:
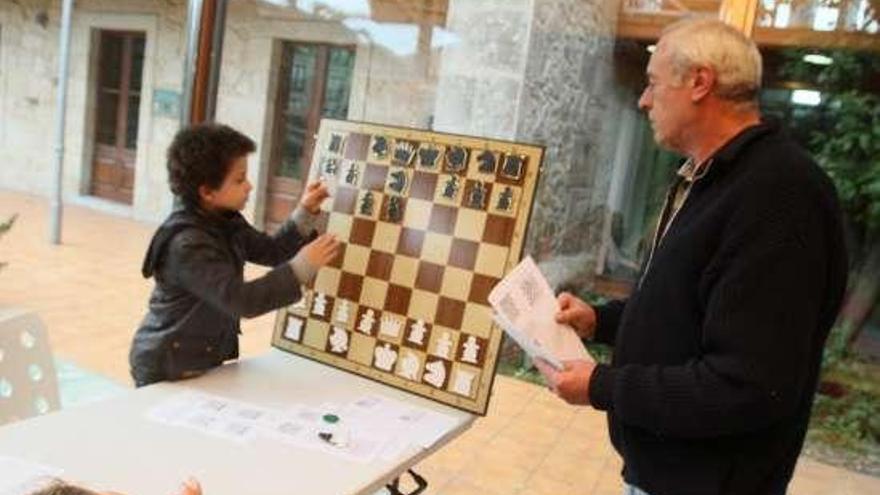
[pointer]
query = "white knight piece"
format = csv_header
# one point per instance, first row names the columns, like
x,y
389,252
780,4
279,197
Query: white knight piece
x,y
338,340
436,373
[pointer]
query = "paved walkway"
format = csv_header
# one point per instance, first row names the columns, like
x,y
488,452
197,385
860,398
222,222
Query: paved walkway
x,y
90,293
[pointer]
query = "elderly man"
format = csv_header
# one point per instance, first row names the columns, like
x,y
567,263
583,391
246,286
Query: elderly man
x,y
717,350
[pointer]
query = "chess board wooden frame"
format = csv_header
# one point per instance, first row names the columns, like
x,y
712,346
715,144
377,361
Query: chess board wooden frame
x,y
435,264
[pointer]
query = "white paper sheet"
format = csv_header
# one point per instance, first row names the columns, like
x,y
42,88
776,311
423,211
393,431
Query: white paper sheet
x,y
19,477
525,306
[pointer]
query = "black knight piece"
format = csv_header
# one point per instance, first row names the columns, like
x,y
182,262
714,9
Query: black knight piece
x,y
487,162
398,181
428,157
456,158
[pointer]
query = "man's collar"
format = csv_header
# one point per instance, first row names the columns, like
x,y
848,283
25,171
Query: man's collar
x,y
734,147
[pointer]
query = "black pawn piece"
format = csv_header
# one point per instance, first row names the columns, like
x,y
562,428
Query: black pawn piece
x,y
367,204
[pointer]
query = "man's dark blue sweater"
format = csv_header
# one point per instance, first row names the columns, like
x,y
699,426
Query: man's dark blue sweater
x,y
717,351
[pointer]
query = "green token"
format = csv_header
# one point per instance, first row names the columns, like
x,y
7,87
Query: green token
x,y
331,418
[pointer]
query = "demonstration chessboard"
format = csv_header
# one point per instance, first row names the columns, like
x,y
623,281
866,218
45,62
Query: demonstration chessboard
x,y
429,223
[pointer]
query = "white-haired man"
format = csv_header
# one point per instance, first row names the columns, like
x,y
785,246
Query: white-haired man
x,y
717,349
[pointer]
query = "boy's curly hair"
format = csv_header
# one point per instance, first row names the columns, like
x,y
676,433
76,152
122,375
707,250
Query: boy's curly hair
x,y
201,155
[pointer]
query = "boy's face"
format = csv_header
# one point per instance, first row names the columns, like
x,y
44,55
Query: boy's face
x,y
233,192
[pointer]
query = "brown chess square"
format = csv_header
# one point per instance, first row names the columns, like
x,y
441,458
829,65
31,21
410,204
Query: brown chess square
x,y
410,341
337,262
449,313
379,265
429,277
362,231
359,321
397,299
356,146
499,230
423,186
464,342
442,219
467,201
350,286
374,177
481,286
447,366
463,254
344,200
328,308
410,242
329,347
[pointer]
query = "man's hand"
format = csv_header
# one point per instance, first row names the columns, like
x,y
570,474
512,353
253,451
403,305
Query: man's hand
x,y
324,249
315,194
578,314
571,384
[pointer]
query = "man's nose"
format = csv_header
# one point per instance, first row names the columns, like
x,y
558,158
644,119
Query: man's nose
x,y
645,100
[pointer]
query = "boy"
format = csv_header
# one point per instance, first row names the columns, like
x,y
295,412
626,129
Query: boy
x,y
197,258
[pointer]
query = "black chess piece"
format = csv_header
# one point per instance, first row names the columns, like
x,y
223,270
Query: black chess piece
x,y
450,188
380,146
403,153
335,143
513,165
505,199
428,157
367,204
351,176
395,212
477,196
331,165
398,181
487,162
456,158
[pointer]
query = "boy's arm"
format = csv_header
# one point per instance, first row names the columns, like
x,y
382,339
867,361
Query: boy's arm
x,y
267,250
206,271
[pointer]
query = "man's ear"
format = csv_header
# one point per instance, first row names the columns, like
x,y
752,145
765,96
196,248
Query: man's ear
x,y
702,83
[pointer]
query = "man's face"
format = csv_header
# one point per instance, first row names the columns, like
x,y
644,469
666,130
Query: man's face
x,y
233,192
667,100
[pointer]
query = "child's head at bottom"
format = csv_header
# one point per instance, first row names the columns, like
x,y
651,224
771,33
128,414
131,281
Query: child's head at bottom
x,y
207,167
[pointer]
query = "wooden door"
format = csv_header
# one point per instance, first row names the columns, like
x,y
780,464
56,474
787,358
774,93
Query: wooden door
x,y
315,82
117,107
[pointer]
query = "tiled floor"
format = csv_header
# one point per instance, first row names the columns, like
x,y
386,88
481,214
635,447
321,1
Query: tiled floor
x,y
91,295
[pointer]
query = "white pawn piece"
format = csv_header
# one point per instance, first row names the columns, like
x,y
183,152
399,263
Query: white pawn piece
x,y
319,307
338,340
462,384
342,311
385,357
436,373
293,331
390,326
417,335
300,304
471,350
409,366
366,323
444,346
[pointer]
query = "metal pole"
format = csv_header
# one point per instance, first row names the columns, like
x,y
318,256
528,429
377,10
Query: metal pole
x,y
216,60
193,23
63,59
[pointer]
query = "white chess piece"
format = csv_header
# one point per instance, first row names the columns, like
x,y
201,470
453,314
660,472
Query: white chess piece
x,y
471,350
385,357
320,304
294,329
342,311
417,336
409,366
444,346
338,340
436,373
300,304
366,323
390,326
462,384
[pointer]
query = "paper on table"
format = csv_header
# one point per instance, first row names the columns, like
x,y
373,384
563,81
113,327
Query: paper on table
x,y
19,477
525,306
